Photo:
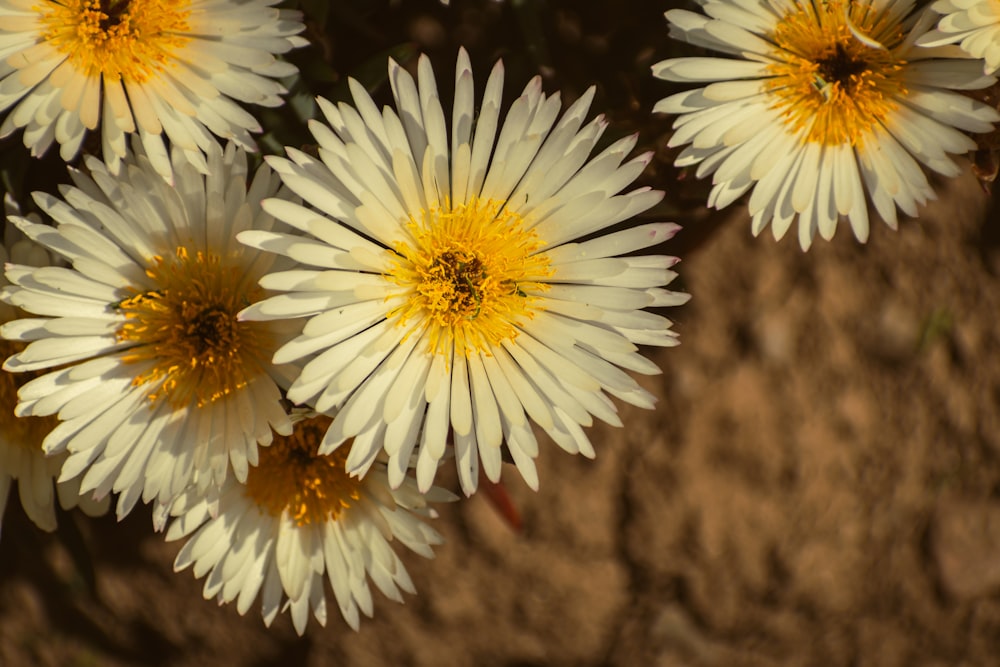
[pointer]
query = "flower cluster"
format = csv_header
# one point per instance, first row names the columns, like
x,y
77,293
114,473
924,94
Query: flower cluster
x,y
280,357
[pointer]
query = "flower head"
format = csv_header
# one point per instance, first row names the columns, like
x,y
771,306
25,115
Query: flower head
x,y
974,25
152,67
21,457
821,102
301,518
467,286
156,383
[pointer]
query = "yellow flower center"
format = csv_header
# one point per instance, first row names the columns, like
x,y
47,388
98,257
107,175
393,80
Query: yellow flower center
x,y
26,432
187,328
118,39
292,477
468,275
827,80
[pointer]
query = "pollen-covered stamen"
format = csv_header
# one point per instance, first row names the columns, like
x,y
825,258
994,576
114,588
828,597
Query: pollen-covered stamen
x,y
831,80
25,432
128,40
292,477
114,11
458,279
185,329
468,275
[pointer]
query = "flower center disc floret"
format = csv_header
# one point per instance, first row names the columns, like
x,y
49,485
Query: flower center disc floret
x,y
829,82
186,329
119,39
292,477
454,285
468,273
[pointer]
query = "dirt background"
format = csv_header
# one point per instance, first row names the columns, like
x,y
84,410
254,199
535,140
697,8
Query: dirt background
x,y
818,486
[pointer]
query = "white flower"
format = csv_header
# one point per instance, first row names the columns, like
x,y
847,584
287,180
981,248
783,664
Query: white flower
x,y
448,284
972,24
299,518
174,67
21,457
820,102
156,383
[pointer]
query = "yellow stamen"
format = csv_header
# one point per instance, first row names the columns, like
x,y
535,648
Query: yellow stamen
x,y
126,40
469,274
186,328
291,476
830,82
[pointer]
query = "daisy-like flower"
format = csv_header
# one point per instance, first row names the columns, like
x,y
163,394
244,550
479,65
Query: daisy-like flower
x,y
972,24
21,457
154,67
820,102
299,518
156,382
454,285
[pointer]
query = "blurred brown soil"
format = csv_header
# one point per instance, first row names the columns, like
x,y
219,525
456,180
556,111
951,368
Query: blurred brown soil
x,y
819,486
